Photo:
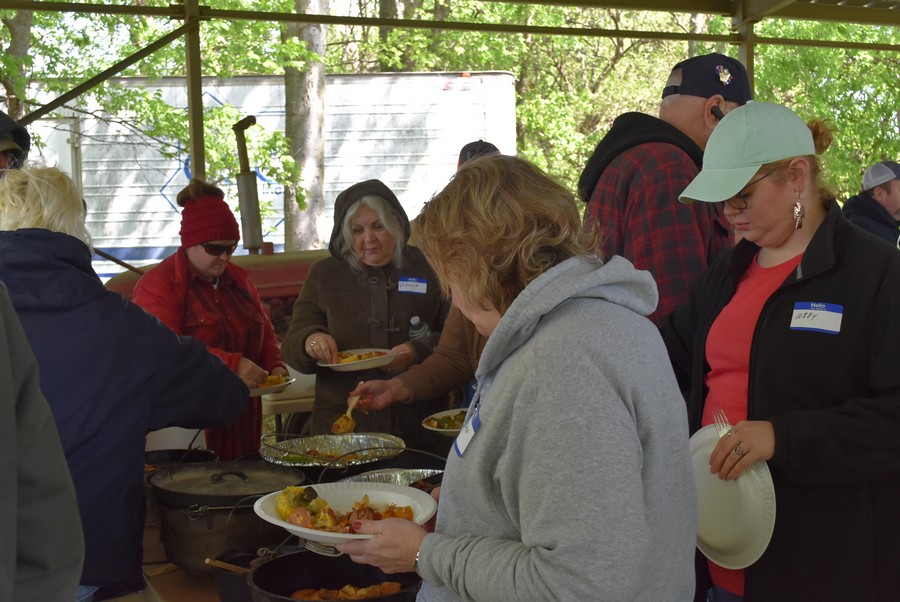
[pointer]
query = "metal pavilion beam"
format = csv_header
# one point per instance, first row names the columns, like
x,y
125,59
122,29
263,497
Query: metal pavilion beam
x,y
744,13
864,12
111,72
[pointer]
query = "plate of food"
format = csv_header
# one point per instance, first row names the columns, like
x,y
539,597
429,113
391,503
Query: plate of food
x,y
274,383
349,449
352,360
735,517
448,422
325,512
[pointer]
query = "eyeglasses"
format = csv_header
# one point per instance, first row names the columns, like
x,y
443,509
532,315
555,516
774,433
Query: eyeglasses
x,y
216,250
739,201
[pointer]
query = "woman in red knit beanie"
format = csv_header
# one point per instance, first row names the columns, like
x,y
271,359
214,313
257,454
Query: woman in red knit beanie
x,y
200,293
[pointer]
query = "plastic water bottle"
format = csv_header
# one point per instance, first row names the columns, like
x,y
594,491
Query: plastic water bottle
x,y
418,330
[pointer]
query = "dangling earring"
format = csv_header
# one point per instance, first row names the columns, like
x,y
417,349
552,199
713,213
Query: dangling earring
x,y
799,213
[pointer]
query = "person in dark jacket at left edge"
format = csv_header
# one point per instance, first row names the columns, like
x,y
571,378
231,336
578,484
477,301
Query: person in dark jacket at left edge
x,y
110,371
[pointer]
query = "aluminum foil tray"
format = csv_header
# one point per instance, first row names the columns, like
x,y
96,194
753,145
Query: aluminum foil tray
x,y
333,451
395,476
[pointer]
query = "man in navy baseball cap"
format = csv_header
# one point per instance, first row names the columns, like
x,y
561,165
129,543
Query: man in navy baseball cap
x,y
710,74
632,181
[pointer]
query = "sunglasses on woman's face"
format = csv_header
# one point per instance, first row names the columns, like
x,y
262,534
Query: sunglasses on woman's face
x,y
216,250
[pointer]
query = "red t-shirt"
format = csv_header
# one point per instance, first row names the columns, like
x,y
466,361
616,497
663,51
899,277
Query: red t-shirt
x,y
728,354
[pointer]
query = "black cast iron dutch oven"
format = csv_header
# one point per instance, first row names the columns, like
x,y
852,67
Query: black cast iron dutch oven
x,y
220,483
207,509
164,458
277,579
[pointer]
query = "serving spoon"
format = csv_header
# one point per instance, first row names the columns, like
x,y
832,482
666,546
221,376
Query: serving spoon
x,y
240,570
345,423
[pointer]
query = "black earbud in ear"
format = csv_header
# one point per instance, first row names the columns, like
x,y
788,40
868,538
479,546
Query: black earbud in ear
x,y
717,112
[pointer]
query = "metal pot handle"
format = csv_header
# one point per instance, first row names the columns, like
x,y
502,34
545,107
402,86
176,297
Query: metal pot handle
x,y
219,477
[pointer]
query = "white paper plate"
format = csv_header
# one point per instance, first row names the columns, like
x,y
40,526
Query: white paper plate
x,y
372,362
341,496
448,432
735,518
272,389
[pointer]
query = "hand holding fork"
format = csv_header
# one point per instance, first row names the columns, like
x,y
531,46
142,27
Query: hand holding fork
x,y
725,429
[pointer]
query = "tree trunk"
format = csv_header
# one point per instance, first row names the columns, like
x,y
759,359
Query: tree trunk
x,y
304,98
13,79
387,9
698,25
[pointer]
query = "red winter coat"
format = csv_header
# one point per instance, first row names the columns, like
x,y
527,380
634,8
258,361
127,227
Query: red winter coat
x,y
232,322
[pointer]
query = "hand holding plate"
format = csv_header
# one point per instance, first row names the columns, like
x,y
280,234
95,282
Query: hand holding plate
x,y
321,346
250,373
393,547
404,357
753,440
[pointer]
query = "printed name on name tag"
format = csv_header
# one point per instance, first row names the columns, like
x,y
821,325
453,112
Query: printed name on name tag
x,y
418,286
817,317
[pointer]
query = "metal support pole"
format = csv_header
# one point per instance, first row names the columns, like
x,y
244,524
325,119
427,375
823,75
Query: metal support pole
x,y
195,91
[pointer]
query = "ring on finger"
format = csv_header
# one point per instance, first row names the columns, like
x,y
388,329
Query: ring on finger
x,y
313,344
739,450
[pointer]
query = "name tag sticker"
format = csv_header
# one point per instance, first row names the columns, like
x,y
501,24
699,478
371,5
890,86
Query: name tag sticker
x,y
817,317
467,432
419,286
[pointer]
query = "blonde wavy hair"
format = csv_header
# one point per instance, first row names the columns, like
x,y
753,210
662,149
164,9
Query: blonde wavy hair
x,y
42,197
500,223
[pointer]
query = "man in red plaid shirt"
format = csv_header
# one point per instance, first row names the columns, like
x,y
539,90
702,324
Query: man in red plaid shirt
x,y
632,181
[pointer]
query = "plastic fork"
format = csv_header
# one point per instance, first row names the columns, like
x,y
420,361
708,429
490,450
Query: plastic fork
x,y
321,548
723,427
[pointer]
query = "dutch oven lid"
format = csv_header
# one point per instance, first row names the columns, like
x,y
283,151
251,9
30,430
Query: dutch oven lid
x,y
221,483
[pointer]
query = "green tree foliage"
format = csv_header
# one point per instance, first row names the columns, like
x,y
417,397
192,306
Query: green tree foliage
x,y
856,91
570,87
69,48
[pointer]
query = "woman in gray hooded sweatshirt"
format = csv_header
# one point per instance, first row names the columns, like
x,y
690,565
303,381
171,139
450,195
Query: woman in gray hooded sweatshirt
x,y
571,479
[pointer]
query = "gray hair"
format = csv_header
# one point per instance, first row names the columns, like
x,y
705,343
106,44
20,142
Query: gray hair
x,y
388,218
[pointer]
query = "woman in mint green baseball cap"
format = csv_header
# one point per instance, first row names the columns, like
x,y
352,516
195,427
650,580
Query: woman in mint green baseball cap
x,y
795,335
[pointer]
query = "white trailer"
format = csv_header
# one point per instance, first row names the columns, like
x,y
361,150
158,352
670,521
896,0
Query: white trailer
x,y
405,129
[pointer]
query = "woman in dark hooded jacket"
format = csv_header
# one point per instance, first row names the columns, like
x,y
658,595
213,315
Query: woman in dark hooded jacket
x,y
363,296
